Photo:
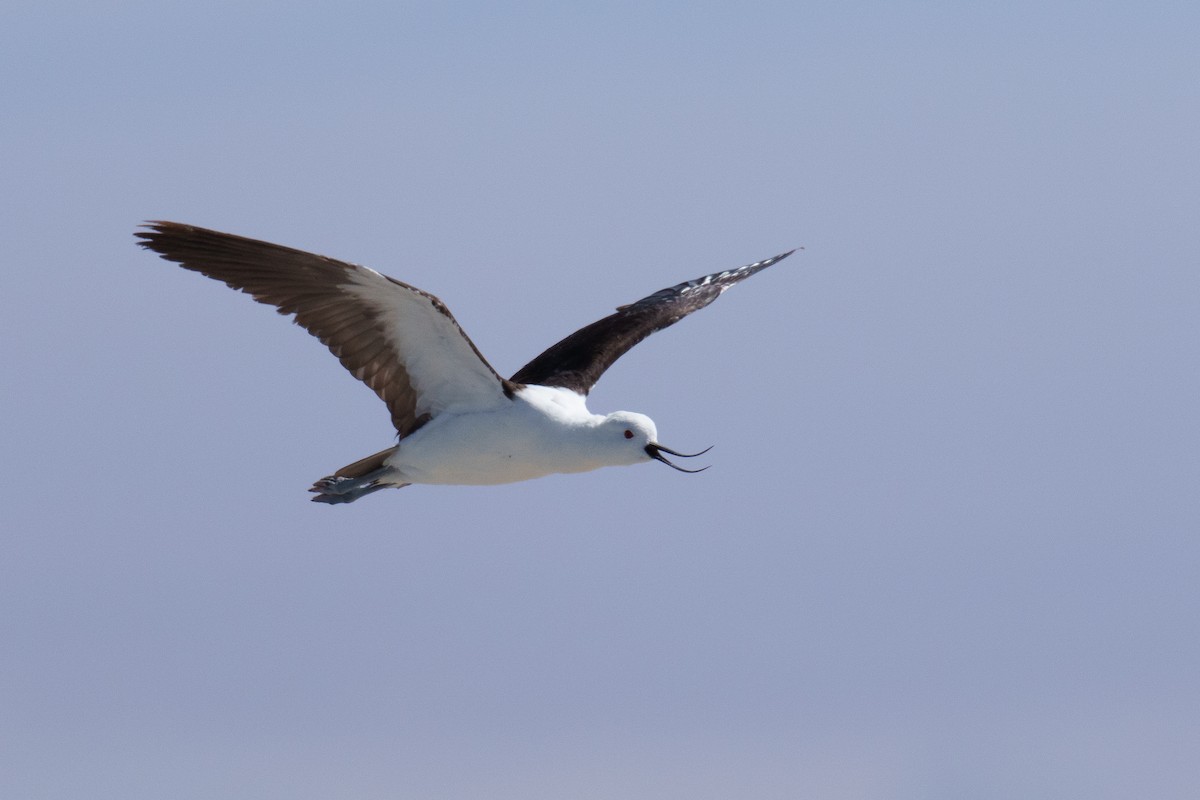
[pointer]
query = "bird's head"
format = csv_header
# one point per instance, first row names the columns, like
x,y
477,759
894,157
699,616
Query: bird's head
x,y
635,438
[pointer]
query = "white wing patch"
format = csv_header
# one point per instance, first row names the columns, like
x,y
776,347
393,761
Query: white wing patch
x,y
446,371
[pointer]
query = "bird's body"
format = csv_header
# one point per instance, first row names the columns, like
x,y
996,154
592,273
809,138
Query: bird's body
x,y
542,431
458,421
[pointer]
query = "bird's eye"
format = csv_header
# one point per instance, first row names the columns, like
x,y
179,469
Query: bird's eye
x,y
628,434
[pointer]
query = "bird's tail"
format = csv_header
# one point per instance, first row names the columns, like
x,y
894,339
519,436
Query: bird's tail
x,y
355,480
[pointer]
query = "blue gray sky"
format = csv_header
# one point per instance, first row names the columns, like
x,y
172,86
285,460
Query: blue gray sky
x,y
949,543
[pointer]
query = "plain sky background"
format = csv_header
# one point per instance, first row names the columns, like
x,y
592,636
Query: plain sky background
x,y
950,543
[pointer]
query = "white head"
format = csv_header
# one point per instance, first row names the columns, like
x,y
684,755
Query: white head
x,y
632,438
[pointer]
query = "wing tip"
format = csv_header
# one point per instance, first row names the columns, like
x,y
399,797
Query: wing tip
x,y
782,256
160,226
150,232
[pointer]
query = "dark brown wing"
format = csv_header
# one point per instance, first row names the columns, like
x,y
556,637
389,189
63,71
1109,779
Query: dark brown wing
x,y
400,341
579,360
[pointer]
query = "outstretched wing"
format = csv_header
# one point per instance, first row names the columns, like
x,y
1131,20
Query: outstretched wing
x,y
579,360
400,341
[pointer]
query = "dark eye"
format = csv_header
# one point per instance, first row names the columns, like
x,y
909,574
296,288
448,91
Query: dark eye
x,y
628,434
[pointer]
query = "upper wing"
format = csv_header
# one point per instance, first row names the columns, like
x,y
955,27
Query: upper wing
x,y
579,360
398,340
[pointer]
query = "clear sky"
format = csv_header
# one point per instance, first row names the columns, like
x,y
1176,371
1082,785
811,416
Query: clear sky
x,y
950,543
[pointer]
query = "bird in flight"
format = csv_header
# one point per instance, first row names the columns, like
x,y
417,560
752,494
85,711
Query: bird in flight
x,y
458,421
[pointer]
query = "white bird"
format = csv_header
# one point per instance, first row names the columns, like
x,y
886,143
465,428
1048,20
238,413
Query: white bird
x,y
458,421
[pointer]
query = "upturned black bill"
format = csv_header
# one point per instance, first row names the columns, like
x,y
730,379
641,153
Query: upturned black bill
x,y
656,451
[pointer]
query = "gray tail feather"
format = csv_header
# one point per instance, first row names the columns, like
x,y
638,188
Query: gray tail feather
x,y
354,480
333,495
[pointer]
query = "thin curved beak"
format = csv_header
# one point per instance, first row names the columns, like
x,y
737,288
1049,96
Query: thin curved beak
x,y
656,451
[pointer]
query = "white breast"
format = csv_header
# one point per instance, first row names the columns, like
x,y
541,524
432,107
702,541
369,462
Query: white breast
x,y
541,432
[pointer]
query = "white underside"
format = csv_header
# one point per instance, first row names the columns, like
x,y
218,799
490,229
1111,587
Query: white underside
x,y
542,431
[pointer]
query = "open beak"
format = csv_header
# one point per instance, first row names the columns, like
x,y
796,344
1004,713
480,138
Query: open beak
x,y
656,451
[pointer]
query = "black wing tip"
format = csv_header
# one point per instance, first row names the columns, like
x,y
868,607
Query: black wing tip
x,y
781,256
153,231
153,226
